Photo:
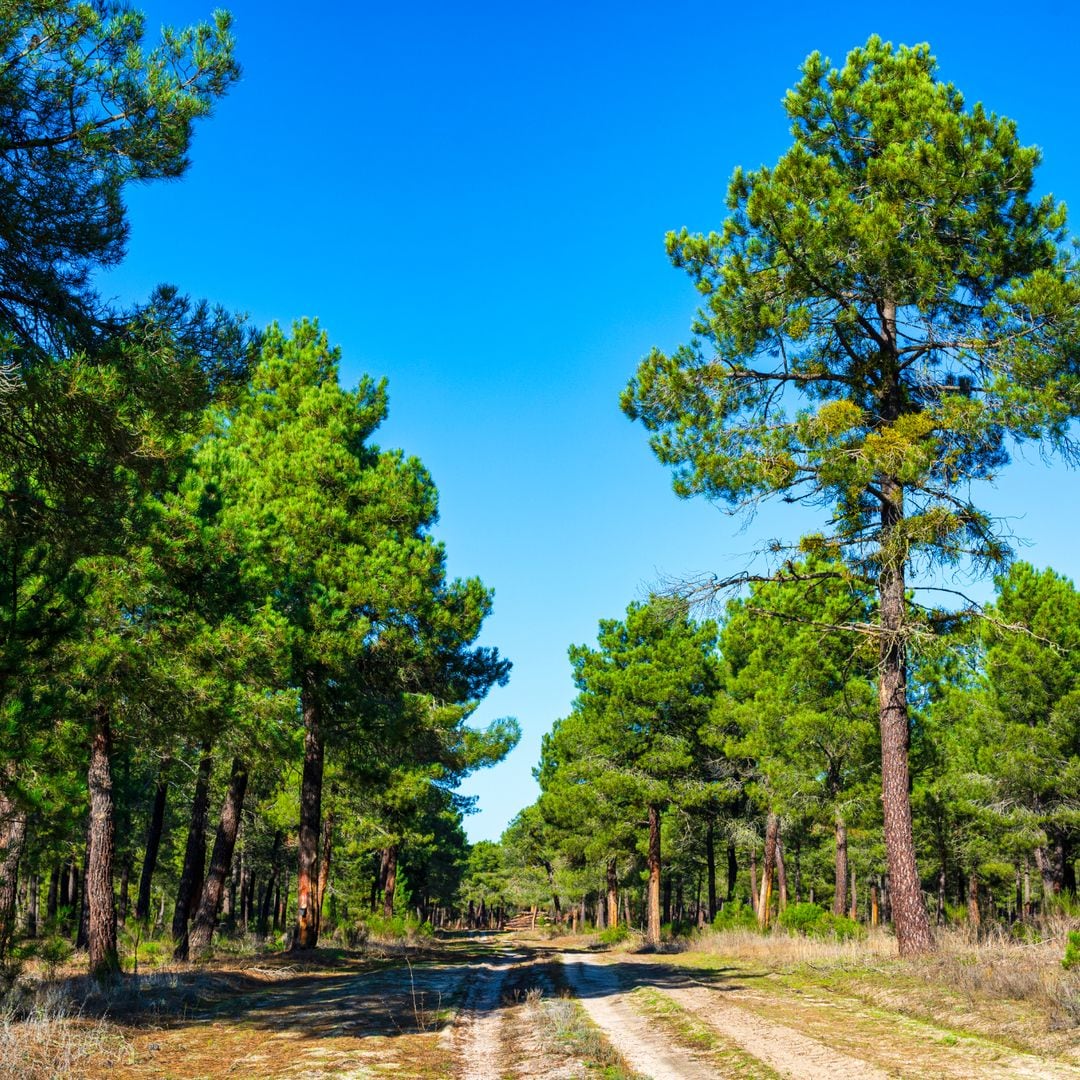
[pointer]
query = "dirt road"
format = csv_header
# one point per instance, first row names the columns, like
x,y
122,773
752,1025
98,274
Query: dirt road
x,y
524,1009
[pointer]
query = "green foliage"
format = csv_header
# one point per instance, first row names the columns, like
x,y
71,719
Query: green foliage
x,y
613,935
813,921
1071,958
735,915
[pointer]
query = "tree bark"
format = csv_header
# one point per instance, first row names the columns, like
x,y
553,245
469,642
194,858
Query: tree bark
x,y
753,877
100,900
853,913
710,870
268,897
772,829
909,911
781,874
612,894
652,925
306,932
12,841
153,842
324,864
391,882
189,890
732,870
973,913
202,929
840,870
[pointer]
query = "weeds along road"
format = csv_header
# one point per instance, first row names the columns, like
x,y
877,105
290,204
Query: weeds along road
x,y
495,1006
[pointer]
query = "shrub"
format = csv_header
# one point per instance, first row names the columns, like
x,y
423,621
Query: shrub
x,y
735,915
813,921
613,935
801,918
1071,958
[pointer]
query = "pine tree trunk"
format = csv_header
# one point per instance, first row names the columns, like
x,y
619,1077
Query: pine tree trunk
x,y
12,841
202,929
612,894
772,829
652,923
324,864
781,875
51,897
391,882
153,842
854,911
753,877
732,870
840,871
306,932
973,914
909,911
873,905
189,891
100,901
710,870
268,898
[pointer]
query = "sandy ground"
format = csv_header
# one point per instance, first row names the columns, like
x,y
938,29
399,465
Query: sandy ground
x,y
489,1010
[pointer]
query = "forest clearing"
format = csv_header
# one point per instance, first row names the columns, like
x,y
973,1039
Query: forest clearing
x,y
486,1006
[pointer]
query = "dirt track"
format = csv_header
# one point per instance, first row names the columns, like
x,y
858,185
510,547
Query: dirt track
x,y
495,1009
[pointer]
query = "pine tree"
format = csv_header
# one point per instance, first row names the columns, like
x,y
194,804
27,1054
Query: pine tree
x,y
884,309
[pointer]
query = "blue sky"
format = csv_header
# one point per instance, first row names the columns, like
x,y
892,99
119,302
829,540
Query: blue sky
x,y
473,198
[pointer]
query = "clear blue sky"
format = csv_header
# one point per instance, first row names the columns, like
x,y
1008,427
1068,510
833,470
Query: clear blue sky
x,y
472,198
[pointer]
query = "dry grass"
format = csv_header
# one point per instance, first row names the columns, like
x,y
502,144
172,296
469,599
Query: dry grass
x,y
999,988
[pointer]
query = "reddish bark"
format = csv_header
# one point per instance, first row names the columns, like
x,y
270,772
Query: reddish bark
x,y
306,931
324,863
612,894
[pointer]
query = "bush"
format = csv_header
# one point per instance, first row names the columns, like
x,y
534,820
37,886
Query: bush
x,y
735,915
801,918
1071,958
813,921
613,935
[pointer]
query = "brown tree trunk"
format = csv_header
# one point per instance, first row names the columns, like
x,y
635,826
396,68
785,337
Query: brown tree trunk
x,y
909,911
840,872
710,870
324,864
271,882
391,882
974,916
306,932
153,842
772,829
874,919
853,913
100,901
732,870
781,874
753,877
612,894
12,841
202,929
652,923
189,891
52,895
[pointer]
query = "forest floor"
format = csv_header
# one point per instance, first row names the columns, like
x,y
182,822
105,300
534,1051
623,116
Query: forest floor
x,y
482,1006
